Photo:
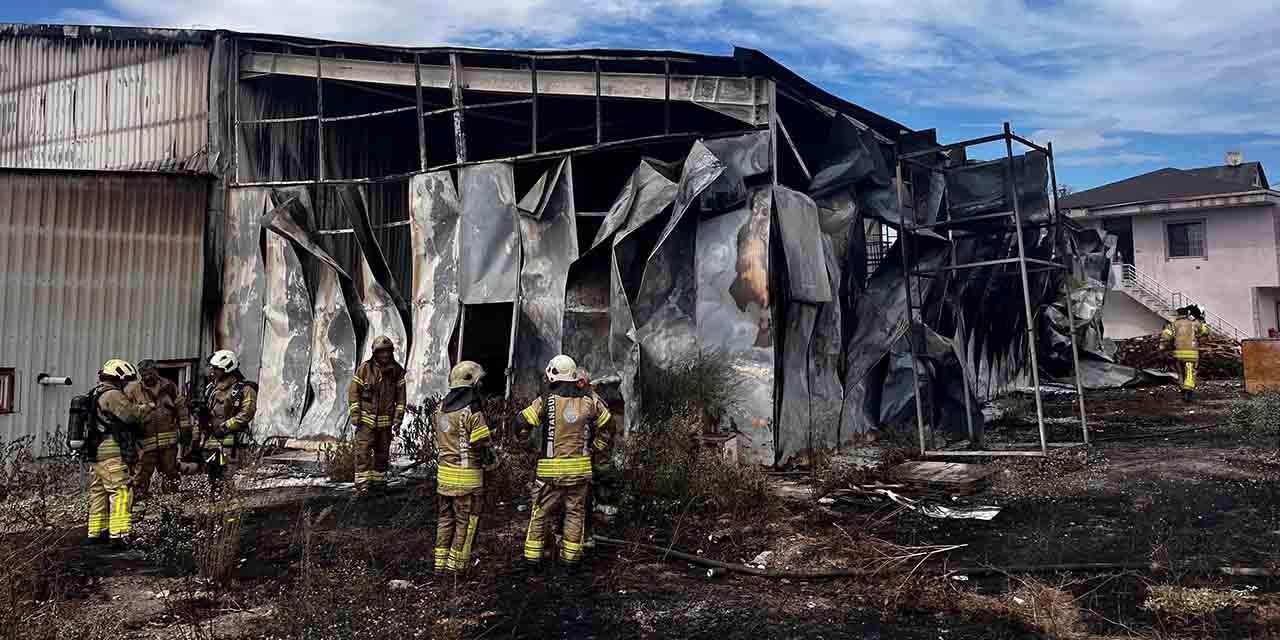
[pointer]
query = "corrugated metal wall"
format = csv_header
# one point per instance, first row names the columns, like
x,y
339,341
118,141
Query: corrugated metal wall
x,y
94,266
76,102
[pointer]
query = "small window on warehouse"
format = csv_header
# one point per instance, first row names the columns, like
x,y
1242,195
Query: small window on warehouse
x,y
8,383
1185,239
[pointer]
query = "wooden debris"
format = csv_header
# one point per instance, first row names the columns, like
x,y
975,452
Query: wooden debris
x,y
1219,356
954,478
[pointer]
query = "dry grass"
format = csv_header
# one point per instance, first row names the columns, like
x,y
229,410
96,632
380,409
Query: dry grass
x,y
1049,609
1188,605
339,461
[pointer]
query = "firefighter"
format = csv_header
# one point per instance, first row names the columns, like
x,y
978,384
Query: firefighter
x,y
113,453
1183,337
463,453
231,403
160,441
570,424
376,399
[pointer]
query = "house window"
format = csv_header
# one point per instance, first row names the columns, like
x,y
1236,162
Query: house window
x,y
8,381
1186,239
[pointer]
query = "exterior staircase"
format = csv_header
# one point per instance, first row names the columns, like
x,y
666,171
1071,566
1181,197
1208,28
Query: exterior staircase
x,y
1163,301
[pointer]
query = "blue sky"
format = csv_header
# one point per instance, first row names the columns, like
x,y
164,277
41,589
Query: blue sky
x,y
1120,87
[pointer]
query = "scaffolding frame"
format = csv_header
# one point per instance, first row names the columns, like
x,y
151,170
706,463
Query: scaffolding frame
x,y
909,227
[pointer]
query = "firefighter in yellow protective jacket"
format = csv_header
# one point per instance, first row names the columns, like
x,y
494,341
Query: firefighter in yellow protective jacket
x,y
232,403
570,425
1183,336
463,453
113,452
160,430
376,399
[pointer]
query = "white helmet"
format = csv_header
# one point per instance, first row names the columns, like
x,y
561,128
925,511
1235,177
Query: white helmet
x,y
225,360
562,368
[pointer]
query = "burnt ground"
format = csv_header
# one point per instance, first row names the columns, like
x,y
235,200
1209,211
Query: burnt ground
x,y
315,563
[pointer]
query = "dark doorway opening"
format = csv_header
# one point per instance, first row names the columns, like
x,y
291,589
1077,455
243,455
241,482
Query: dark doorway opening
x,y
486,339
1122,229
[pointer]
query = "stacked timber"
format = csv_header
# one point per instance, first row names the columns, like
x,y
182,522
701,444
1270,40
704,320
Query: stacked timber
x,y
1220,357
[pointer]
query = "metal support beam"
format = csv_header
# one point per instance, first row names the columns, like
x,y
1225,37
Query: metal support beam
x,y
794,151
533,87
459,124
422,125
1026,288
599,106
319,118
737,97
903,241
1071,318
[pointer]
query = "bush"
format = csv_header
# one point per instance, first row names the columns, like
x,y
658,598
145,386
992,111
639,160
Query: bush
x,y
665,470
339,461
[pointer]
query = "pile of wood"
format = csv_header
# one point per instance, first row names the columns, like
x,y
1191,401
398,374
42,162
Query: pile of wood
x,y
1219,356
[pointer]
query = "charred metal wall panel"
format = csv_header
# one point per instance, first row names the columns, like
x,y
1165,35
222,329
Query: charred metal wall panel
x,y
734,316
286,341
549,242
435,210
82,102
94,266
490,267
239,325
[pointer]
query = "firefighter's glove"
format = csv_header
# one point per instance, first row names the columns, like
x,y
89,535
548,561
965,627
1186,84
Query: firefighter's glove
x,y
355,420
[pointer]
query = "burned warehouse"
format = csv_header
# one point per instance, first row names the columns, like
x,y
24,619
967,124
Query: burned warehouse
x,y
168,193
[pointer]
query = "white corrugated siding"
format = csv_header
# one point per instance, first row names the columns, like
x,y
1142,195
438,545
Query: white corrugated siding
x,y
94,266
85,103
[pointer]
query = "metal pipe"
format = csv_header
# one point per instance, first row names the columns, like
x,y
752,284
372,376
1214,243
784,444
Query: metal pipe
x,y
1029,143
533,84
599,109
235,109
794,151
556,153
319,120
371,114
964,143
422,125
459,128
903,234
53,381
462,332
276,120
1026,288
1075,352
666,97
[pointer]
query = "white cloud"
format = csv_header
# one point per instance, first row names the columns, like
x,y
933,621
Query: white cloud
x,y
1164,67
1119,158
1067,140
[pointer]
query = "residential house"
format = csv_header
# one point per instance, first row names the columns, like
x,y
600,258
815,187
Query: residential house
x,y
1208,236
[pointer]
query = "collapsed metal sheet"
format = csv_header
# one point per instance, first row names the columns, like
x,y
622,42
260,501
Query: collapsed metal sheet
x,y
240,325
647,194
734,317
286,344
333,360
669,334
701,168
802,246
983,188
380,299
825,393
795,419
939,367
744,158
549,242
881,319
489,268
435,210
382,313
1095,374
852,158
283,220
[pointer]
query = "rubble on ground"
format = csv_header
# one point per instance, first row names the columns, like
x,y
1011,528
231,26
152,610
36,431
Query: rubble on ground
x,y
1219,356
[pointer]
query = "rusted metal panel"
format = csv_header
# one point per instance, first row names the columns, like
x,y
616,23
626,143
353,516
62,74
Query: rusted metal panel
x,y
92,267
1261,364
73,101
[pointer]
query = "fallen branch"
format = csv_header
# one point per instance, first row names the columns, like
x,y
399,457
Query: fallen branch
x,y
764,573
1152,567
